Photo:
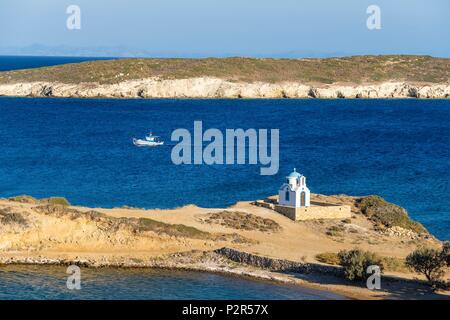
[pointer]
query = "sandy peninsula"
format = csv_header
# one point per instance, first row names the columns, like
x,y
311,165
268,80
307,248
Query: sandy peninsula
x,y
243,239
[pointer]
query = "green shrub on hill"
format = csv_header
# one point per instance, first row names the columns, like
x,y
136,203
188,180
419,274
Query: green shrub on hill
x,y
56,201
388,215
24,199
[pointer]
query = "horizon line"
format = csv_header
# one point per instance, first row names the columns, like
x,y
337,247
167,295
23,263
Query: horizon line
x,y
107,57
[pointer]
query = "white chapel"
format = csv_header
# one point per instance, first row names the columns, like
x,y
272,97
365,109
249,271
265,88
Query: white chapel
x,y
294,192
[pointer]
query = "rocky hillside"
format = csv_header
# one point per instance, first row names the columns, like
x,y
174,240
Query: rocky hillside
x,y
51,226
348,77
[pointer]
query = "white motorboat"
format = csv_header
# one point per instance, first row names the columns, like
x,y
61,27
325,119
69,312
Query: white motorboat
x,y
149,141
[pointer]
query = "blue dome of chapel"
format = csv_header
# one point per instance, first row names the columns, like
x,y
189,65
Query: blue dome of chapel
x,y
294,174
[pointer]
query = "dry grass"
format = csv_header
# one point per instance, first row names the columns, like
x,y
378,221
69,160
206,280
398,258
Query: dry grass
x,y
8,217
328,258
134,225
358,69
392,264
242,221
138,226
176,230
335,231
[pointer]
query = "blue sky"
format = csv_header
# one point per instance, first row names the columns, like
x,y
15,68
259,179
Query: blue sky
x,y
191,28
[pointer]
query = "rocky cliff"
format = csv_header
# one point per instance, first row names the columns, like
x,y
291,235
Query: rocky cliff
x,y
210,87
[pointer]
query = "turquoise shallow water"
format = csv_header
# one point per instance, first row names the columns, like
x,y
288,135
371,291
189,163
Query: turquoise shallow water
x,y
49,282
82,149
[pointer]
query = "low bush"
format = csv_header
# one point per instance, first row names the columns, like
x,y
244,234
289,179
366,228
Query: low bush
x,y
387,214
355,263
56,201
335,231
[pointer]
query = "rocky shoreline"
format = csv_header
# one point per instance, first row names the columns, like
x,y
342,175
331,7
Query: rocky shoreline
x,y
212,88
236,263
197,261
201,261
219,259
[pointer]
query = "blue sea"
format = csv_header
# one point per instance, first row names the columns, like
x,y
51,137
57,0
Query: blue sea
x,y
8,63
82,149
49,282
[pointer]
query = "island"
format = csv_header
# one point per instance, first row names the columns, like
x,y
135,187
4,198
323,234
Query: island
x,y
389,76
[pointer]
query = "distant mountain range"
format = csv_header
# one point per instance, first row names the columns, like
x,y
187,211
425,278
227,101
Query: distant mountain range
x,y
124,51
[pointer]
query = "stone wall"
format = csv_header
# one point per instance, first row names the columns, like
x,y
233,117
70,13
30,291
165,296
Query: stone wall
x,y
277,264
264,204
289,212
315,211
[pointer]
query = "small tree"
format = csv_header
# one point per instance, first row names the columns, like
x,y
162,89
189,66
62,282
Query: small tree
x,y
355,263
445,253
429,262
